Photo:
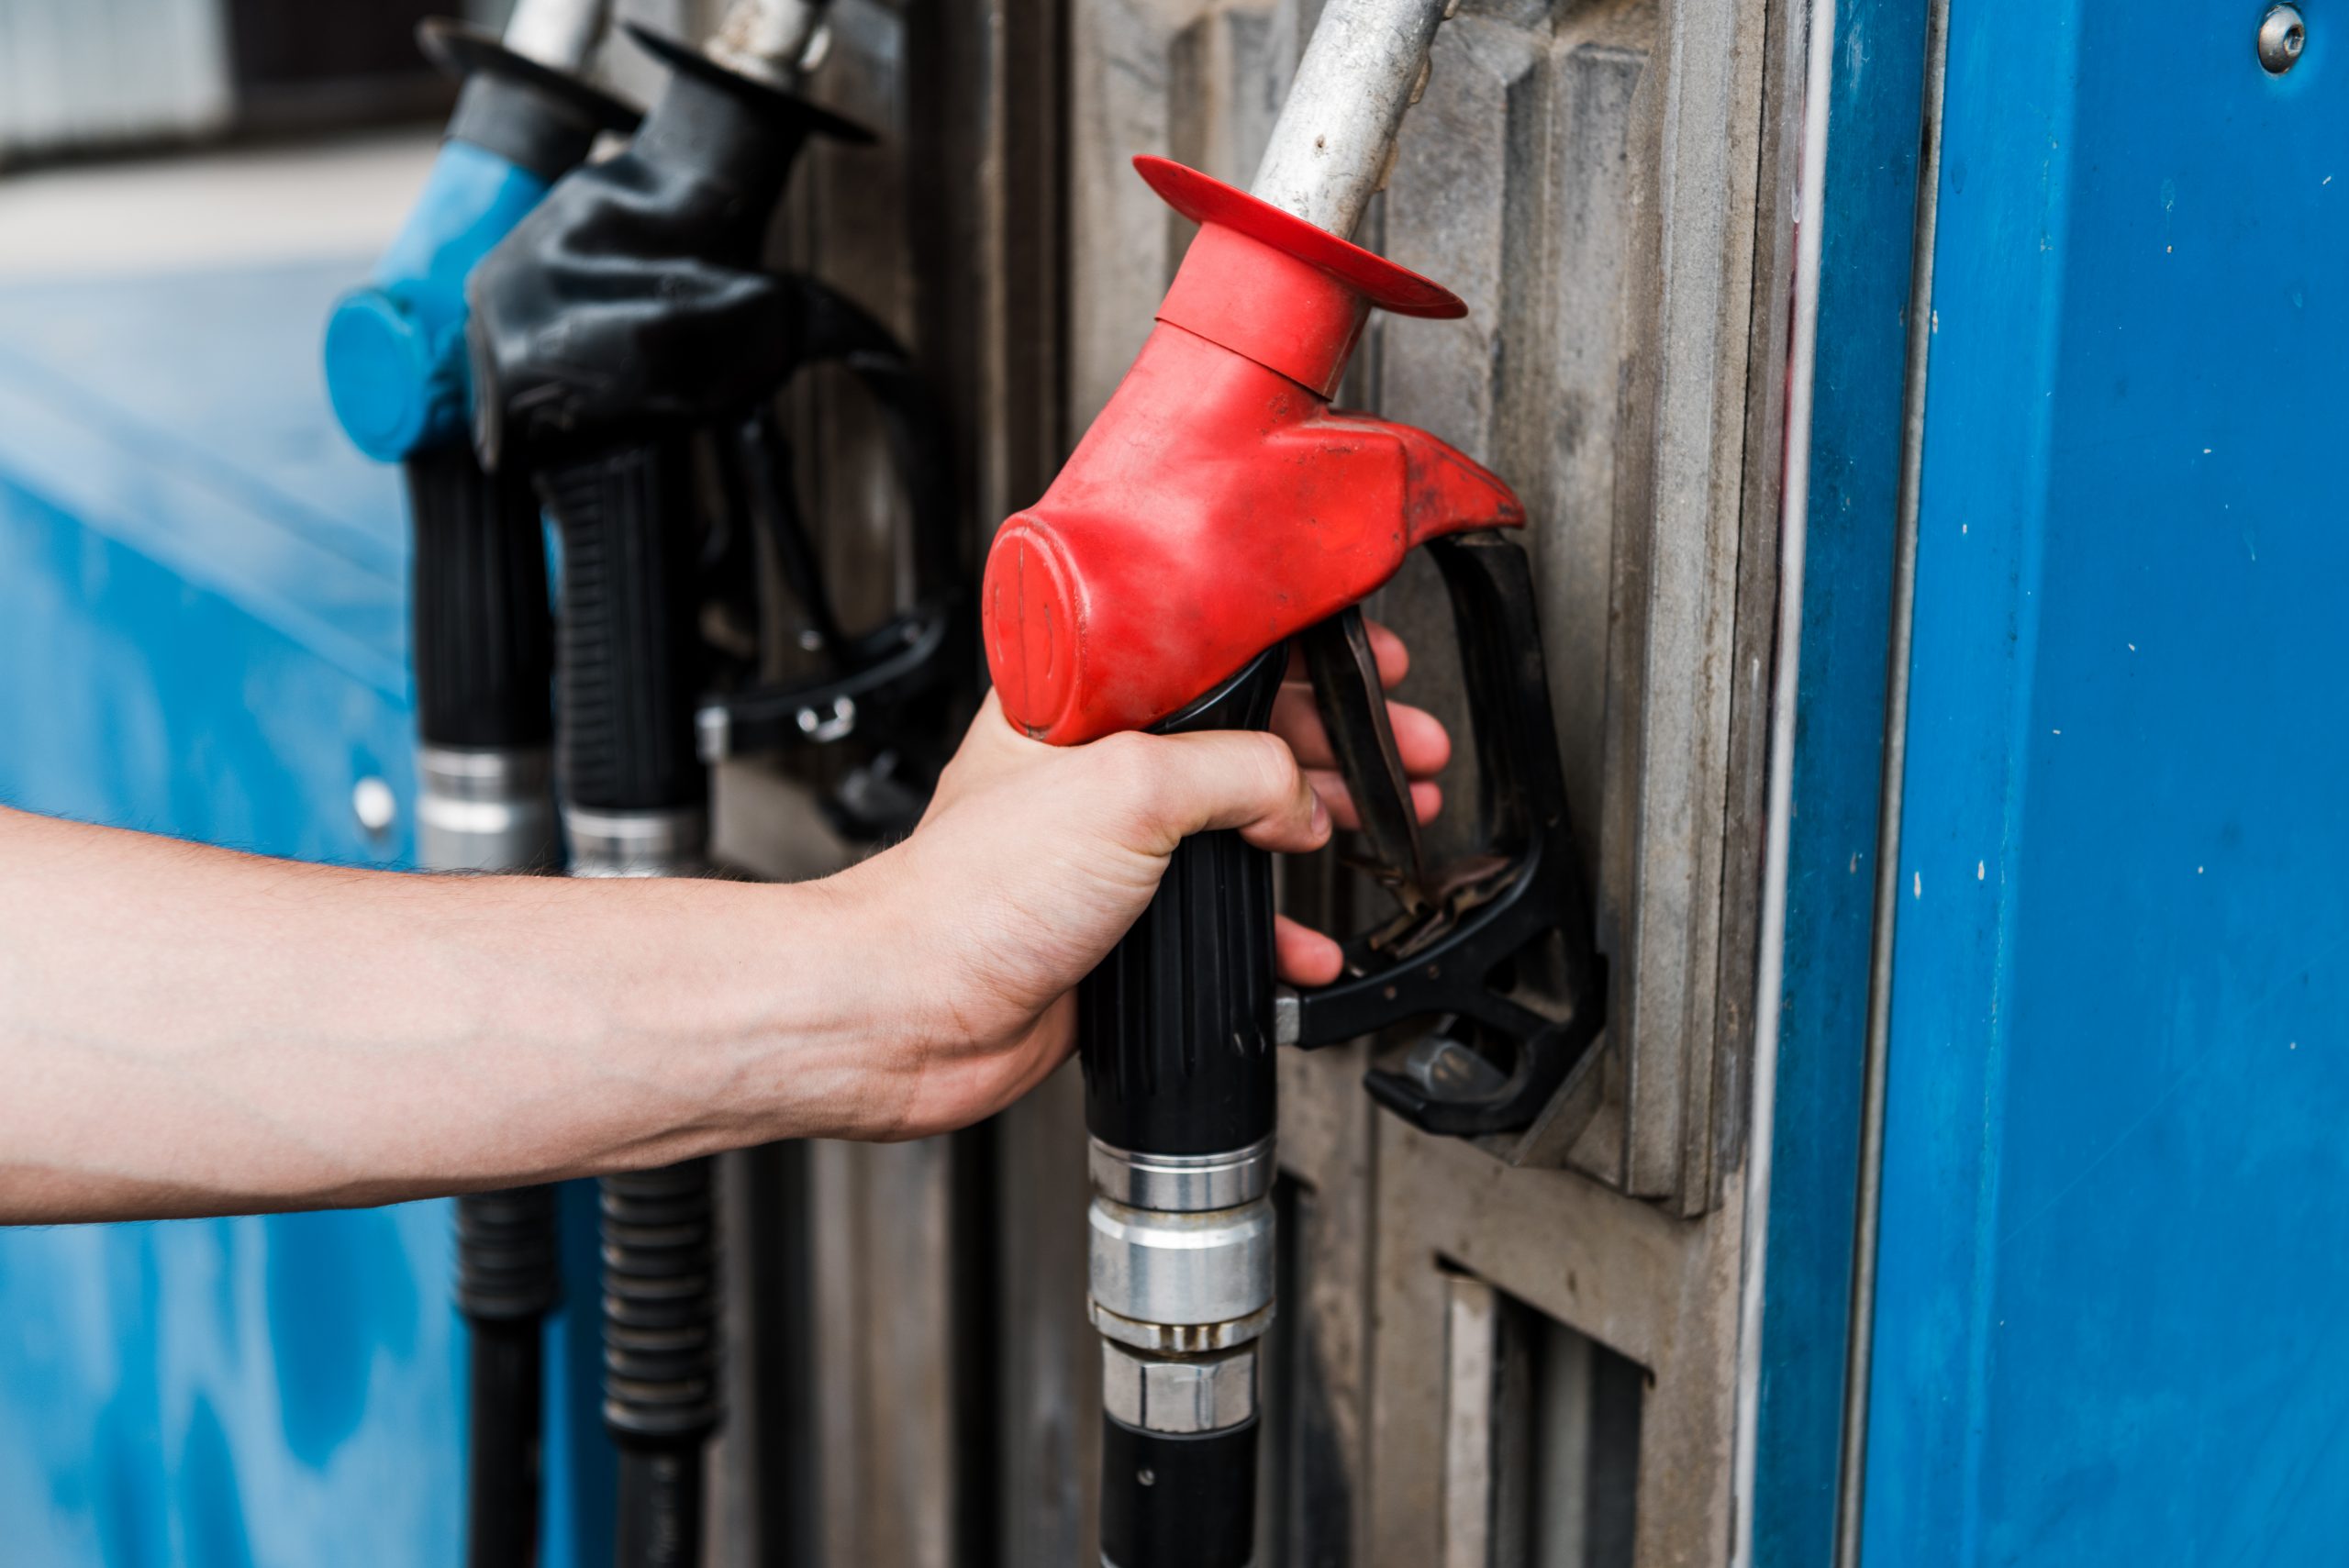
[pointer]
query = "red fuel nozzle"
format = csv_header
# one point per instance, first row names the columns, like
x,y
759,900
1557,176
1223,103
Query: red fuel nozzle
x,y
1219,504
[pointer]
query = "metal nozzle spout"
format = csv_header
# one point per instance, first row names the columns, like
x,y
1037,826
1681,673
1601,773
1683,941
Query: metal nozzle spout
x,y
769,40
561,34
1330,148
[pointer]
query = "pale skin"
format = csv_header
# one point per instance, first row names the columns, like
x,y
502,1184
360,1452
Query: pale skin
x,y
187,1030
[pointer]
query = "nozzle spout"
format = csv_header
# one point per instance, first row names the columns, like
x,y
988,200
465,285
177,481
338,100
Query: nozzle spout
x,y
560,34
768,39
1363,68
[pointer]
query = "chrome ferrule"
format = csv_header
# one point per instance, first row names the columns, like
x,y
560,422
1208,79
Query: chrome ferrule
x,y
673,842
1181,1184
485,809
1181,1274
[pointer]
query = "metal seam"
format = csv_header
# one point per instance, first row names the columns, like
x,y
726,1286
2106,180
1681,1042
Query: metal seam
x,y
1868,1202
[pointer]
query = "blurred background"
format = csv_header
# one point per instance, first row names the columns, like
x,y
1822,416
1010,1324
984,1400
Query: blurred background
x,y
138,134
92,77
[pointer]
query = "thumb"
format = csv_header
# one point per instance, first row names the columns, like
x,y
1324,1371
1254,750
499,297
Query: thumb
x,y
1237,779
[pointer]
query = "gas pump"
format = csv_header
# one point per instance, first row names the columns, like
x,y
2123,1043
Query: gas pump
x,y
1219,478
629,344
480,634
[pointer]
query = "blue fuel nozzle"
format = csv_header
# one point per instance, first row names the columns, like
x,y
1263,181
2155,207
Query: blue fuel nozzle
x,y
395,349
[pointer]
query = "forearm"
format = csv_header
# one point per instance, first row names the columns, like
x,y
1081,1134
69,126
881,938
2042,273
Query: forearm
x,y
186,1031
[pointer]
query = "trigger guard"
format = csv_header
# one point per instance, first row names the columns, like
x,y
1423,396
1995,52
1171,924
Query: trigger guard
x,y
1542,910
1541,1069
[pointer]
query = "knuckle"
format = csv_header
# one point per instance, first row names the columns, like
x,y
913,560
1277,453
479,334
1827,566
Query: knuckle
x,y
1280,771
1128,766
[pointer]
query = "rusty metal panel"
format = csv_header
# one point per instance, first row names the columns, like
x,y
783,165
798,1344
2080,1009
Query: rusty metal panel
x,y
1598,217
1585,180
1592,177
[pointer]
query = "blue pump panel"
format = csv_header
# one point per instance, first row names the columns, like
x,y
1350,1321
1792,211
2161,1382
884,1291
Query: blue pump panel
x,y
2108,1322
2109,1269
202,633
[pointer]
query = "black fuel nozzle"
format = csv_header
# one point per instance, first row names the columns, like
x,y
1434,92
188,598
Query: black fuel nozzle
x,y
627,344
632,301
480,635
628,317
633,312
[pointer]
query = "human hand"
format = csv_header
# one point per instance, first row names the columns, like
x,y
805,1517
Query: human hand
x,y
1033,860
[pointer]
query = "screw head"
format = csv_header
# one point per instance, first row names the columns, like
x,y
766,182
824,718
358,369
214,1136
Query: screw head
x,y
2283,34
373,804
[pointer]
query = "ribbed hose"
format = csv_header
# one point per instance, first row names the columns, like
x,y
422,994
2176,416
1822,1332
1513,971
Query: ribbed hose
x,y
627,676
661,1335
508,1279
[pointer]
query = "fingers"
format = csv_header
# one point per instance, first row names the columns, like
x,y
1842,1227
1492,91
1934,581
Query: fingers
x,y
1196,784
1427,799
1394,659
1302,955
1421,739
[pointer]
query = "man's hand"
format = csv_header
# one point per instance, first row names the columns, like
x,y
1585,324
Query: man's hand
x,y
1033,859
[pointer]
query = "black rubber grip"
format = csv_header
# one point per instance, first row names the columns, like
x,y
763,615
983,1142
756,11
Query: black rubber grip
x,y
1175,1028
660,1305
478,575
1171,1501
629,665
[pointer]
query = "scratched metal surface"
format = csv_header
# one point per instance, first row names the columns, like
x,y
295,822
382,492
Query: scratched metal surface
x,y
2108,1321
1596,178
202,633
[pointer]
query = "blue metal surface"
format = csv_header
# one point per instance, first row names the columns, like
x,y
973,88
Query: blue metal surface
x,y
2107,1324
1869,211
395,350
202,633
